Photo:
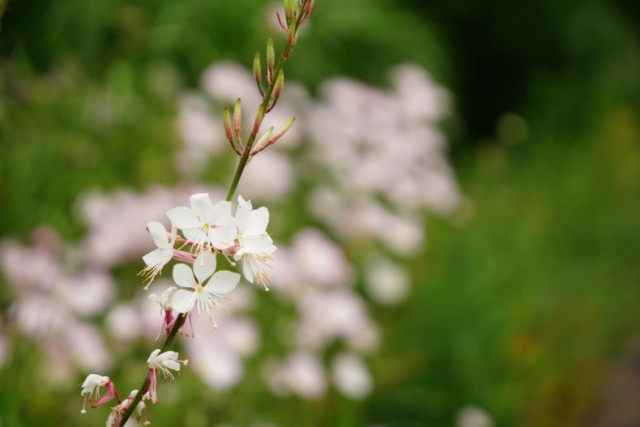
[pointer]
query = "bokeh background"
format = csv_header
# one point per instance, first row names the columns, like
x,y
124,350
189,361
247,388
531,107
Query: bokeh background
x,y
458,211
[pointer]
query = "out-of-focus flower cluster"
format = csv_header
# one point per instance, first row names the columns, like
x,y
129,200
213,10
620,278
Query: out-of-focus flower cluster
x,y
374,160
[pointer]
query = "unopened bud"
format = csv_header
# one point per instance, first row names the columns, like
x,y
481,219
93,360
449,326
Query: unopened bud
x,y
280,132
271,56
237,116
278,86
227,124
262,142
258,121
256,72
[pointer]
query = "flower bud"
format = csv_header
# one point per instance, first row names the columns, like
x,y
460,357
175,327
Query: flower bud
x,y
227,124
256,72
237,116
263,142
280,132
258,121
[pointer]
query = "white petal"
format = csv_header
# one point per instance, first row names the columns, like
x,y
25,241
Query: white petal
x,y
220,210
153,355
158,234
201,205
224,234
182,217
243,211
158,257
256,223
172,364
183,301
183,276
192,234
258,245
247,270
204,266
222,282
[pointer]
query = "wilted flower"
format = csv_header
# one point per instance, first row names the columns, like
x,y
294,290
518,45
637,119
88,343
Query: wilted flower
x,y
91,390
165,303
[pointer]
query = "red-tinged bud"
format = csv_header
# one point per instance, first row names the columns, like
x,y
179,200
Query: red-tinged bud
x,y
279,84
271,61
237,117
271,56
227,124
277,88
258,121
256,72
262,142
280,132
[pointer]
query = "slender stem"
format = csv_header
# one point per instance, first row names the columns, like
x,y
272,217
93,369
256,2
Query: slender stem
x,y
244,159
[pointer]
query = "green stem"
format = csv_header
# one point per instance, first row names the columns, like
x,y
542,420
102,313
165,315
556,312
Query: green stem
x,y
246,155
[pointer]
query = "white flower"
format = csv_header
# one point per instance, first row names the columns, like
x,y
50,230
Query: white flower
x,y
165,361
91,390
159,257
164,300
194,292
165,303
204,224
162,362
255,246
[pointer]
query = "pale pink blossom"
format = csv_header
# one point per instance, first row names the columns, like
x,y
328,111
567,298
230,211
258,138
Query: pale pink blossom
x,y
351,376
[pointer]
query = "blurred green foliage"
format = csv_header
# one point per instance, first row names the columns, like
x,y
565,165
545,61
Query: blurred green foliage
x,y
524,301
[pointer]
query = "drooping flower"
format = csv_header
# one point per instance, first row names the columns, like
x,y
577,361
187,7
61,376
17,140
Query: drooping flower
x,y
165,303
159,257
194,292
115,417
205,225
143,407
254,246
162,362
91,391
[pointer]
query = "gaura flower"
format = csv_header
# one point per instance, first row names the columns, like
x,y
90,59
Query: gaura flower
x,y
115,417
143,407
165,303
254,246
159,257
205,225
193,291
91,390
162,362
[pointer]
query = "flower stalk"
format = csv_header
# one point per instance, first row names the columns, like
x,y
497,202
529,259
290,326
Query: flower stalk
x,y
297,12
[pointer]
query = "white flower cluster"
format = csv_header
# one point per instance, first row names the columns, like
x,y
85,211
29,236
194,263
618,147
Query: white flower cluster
x,y
207,230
